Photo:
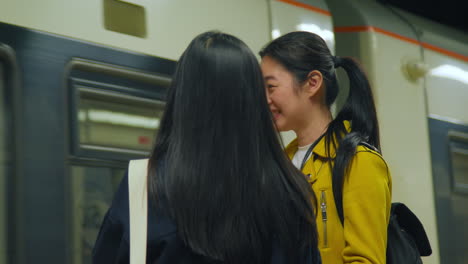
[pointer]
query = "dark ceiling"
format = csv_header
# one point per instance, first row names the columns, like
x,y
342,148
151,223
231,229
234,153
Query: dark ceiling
x,y
449,12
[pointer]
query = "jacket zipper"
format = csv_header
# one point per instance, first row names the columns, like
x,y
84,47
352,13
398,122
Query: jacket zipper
x,y
323,206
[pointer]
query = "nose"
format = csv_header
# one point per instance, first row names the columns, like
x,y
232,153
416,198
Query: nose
x,y
268,97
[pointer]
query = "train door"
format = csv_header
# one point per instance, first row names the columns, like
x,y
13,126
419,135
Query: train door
x,y
113,118
449,147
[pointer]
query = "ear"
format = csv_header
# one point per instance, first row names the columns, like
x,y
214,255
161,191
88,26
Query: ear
x,y
313,83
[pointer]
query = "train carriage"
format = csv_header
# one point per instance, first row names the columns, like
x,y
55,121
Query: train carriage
x,y
82,87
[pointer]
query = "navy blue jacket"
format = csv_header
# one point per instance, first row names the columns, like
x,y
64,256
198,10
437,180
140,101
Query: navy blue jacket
x,y
163,246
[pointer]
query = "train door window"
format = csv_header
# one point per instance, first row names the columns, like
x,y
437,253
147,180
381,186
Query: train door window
x,y
459,161
92,190
110,121
3,167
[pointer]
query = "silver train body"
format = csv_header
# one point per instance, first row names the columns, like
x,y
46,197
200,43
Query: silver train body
x,y
82,88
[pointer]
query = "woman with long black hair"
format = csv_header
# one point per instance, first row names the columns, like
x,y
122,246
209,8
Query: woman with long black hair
x,y
221,189
341,155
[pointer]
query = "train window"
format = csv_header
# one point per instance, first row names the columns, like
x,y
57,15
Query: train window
x,y
115,114
459,161
3,167
92,191
113,121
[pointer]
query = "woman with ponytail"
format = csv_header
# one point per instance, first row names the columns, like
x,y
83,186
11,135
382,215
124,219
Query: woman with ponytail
x,y
220,189
340,156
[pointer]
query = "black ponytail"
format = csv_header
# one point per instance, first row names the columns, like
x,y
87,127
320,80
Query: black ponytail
x,y
359,108
302,52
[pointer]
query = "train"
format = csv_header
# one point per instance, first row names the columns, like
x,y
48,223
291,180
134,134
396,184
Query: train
x,y
82,86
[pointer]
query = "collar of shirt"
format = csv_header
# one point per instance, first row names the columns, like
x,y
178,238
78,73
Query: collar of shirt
x,y
319,149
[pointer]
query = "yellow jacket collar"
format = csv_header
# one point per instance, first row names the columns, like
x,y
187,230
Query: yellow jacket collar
x,y
319,149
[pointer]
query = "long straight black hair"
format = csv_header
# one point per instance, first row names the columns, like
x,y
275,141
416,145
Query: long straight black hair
x,y
220,165
302,52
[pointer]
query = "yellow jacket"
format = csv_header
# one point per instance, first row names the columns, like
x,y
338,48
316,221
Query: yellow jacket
x,y
366,204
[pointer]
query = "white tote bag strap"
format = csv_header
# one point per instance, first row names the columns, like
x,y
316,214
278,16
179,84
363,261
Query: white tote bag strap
x,y
138,203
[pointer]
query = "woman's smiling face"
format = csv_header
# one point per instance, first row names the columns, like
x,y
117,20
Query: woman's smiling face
x,y
285,97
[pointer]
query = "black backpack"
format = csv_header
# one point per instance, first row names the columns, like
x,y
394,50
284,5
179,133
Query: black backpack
x,y
406,238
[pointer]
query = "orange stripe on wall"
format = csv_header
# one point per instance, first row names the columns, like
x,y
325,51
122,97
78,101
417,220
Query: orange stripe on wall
x,y
306,6
374,29
444,51
400,37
